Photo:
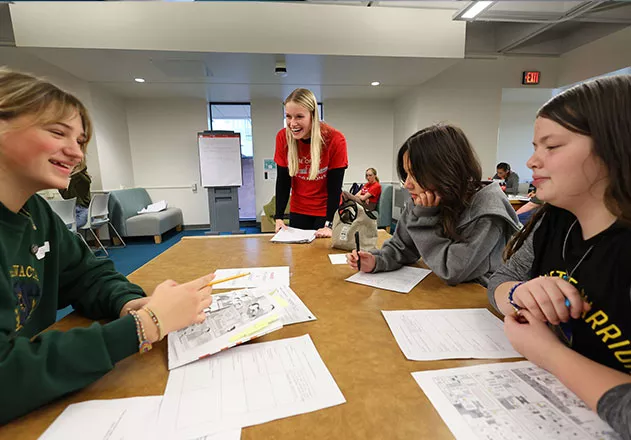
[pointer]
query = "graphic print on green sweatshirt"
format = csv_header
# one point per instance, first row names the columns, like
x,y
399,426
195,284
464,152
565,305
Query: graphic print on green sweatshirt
x,y
27,292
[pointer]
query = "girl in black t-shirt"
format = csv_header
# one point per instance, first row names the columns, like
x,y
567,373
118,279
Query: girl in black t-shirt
x,y
565,287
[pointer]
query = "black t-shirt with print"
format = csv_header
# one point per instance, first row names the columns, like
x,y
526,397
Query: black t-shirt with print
x,y
603,277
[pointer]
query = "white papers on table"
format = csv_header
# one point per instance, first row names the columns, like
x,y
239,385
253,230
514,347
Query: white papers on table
x,y
402,280
294,235
154,207
337,258
245,386
134,418
518,197
259,277
288,305
425,335
515,400
247,316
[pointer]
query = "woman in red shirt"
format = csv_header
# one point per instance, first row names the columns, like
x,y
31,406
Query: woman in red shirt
x,y
369,195
315,191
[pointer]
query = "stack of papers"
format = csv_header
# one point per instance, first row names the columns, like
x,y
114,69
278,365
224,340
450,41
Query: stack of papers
x,y
239,316
402,280
244,386
294,235
154,207
243,317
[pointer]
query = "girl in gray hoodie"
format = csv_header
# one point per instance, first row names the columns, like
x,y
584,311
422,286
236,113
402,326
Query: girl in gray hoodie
x,y
455,224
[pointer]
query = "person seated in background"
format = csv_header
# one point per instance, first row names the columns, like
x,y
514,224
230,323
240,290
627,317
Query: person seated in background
x,y
510,178
368,195
79,187
525,212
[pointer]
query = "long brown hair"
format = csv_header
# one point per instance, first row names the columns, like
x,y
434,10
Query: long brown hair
x,y
599,109
442,160
307,99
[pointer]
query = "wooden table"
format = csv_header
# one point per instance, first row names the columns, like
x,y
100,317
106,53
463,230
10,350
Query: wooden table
x,y
516,204
351,335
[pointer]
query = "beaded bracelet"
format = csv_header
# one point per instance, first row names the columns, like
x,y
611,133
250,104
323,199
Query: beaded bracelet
x,y
144,345
510,297
155,320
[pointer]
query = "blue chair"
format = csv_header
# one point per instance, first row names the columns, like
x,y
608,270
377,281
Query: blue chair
x,y
384,206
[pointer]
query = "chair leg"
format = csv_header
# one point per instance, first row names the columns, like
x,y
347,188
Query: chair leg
x,y
99,242
157,239
178,228
117,234
83,240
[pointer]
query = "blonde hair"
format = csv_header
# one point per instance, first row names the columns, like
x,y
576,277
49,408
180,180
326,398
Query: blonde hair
x,y
307,99
26,95
374,171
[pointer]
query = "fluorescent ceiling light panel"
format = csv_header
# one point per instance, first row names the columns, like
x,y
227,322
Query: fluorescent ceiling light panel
x,y
475,9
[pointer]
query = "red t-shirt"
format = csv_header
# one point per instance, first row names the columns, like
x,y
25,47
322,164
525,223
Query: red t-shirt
x,y
309,197
374,189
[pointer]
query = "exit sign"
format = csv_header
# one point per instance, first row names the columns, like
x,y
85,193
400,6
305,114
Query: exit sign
x,y
530,77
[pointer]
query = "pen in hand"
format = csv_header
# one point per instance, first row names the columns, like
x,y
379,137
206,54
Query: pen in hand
x,y
359,261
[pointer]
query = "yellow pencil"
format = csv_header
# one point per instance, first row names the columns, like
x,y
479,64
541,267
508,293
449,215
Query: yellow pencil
x,y
213,282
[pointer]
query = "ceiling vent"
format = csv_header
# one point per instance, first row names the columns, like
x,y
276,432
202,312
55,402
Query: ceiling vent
x,y
182,68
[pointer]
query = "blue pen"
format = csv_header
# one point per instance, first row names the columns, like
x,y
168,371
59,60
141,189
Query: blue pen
x,y
567,303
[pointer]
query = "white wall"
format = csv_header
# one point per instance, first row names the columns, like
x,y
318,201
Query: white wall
x,y
469,95
602,56
267,119
163,141
517,117
112,139
369,129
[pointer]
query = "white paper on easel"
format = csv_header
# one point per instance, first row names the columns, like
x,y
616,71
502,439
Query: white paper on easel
x,y
220,159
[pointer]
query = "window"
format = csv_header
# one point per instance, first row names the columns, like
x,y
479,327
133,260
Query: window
x,y
237,118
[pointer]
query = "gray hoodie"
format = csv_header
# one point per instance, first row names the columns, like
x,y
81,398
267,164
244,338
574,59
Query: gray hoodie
x,y
485,227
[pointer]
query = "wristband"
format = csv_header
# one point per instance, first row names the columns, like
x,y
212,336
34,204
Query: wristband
x,y
143,343
510,296
155,320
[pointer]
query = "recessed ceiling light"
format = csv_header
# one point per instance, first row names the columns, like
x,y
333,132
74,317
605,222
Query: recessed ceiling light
x,y
375,83
139,80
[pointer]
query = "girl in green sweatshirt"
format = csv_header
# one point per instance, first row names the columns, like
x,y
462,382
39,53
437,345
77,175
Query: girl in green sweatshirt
x,y
44,133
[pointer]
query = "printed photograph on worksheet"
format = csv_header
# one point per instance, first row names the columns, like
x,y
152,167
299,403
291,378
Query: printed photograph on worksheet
x,y
288,305
244,316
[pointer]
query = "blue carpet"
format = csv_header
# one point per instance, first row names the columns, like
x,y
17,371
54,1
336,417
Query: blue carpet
x,y
139,251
